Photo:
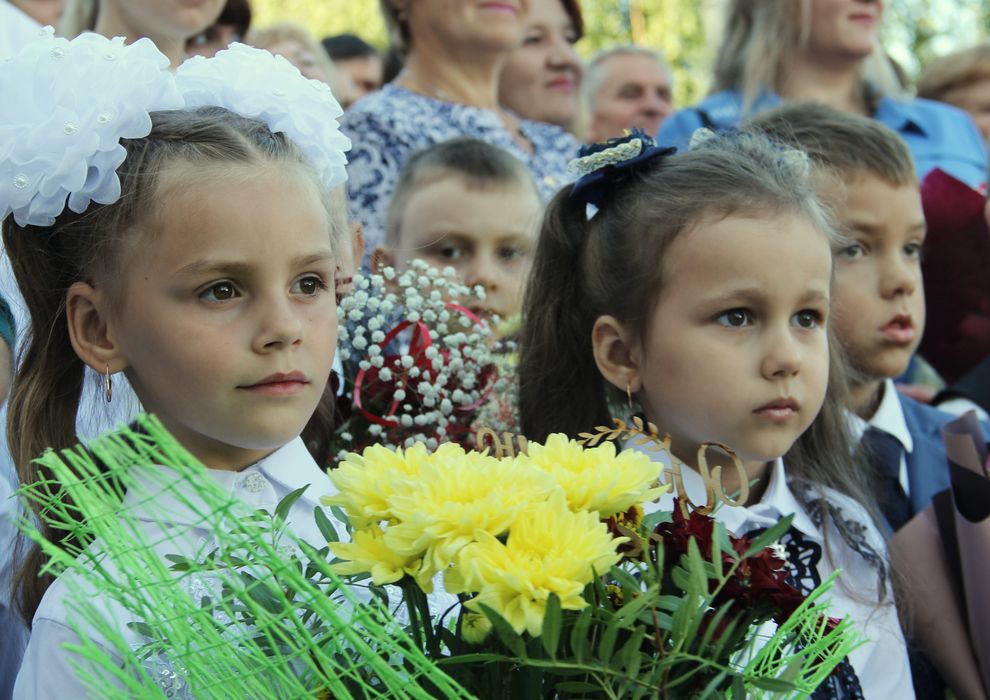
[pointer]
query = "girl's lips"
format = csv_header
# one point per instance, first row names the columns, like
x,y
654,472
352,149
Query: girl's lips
x,y
277,388
279,384
504,8
779,410
899,330
565,85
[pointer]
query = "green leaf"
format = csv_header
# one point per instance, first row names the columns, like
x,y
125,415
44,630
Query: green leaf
x,y
607,646
696,568
580,645
505,633
550,635
775,685
285,505
738,688
772,534
631,653
324,525
576,687
713,685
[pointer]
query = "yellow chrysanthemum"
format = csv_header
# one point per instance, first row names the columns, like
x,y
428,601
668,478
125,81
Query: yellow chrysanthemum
x,y
368,553
550,549
597,478
365,482
455,496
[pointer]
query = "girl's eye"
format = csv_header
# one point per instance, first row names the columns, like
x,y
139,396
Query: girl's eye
x,y
310,285
735,318
450,252
532,40
852,252
913,250
510,253
808,319
220,291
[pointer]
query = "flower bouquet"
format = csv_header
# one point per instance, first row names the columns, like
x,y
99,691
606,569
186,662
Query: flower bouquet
x,y
566,589
417,361
255,612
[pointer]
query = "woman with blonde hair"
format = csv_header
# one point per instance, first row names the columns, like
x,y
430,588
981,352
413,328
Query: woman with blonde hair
x,y
825,51
300,48
168,24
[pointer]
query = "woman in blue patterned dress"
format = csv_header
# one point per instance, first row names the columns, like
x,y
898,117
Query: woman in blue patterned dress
x,y
454,52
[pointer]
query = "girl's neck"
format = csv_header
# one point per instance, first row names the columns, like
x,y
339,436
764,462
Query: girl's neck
x,y
866,398
110,23
730,477
837,83
463,79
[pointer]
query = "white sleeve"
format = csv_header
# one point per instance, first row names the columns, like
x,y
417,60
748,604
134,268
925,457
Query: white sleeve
x,y
47,670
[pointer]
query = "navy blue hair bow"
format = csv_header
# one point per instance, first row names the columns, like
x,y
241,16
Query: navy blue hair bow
x,y
602,165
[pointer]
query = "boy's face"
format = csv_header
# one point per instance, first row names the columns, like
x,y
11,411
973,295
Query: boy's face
x,y
878,300
488,234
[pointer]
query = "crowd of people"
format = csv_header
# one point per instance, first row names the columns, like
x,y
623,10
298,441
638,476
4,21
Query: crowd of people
x,y
756,270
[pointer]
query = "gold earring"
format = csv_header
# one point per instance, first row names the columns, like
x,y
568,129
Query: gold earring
x,y
629,396
108,385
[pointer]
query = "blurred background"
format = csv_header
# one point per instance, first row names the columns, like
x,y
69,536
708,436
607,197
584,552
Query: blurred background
x,y
686,31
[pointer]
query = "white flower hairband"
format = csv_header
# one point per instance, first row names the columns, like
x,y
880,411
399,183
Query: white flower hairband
x,y
67,104
65,107
253,83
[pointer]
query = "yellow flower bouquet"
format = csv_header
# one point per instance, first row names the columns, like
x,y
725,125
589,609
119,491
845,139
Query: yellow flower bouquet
x,y
563,588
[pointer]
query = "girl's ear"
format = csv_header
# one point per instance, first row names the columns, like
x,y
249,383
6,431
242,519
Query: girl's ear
x,y
616,354
90,329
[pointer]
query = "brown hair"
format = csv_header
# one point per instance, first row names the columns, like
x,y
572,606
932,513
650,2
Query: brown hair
x,y
479,163
613,265
955,70
93,246
843,144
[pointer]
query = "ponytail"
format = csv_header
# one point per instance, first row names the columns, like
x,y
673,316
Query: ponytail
x,y
45,392
556,362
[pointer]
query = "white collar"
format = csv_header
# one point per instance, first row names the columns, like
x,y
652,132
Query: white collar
x,y
889,417
156,494
778,500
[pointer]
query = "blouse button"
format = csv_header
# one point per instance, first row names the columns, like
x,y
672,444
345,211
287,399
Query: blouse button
x,y
549,181
254,483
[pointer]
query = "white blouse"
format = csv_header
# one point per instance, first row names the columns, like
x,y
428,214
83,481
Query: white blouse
x,y
47,668
882,663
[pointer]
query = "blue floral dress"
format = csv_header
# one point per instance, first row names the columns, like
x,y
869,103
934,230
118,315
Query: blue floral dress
x,y
388,126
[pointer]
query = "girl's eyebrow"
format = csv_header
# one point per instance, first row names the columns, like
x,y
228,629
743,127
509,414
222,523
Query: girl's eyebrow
x,y
239,267
753,295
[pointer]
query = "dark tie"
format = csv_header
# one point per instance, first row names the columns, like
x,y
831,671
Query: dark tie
x,y
883,451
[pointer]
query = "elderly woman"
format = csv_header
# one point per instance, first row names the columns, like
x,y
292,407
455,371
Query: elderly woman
x,y
825,51
541,80
454,53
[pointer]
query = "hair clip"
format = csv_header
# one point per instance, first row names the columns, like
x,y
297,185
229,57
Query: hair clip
x,y
602,165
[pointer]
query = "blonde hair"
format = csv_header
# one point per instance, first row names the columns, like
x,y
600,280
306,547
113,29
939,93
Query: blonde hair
x,y
78,16
955,70
758,36
281,32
